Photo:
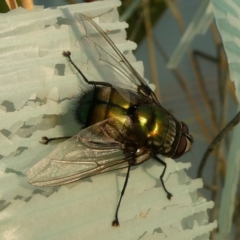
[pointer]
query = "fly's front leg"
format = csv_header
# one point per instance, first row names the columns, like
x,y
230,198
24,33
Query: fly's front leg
x,y
169,195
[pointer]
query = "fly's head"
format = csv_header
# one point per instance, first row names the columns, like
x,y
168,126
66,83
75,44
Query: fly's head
x,y
183,142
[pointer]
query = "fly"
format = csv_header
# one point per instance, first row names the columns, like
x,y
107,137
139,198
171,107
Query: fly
x,y
123,123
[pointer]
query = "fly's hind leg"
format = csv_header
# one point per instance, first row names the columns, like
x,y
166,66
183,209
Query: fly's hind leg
x,y
169,195
46,140
67,54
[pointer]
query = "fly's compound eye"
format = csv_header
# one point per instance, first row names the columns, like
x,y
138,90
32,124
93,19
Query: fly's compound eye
x,y
184,128
185,142
182,147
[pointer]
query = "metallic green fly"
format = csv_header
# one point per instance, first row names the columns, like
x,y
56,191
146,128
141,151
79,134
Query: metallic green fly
x,y
123,122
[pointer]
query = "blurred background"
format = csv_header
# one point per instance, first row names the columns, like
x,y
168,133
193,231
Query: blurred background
x,y
183,56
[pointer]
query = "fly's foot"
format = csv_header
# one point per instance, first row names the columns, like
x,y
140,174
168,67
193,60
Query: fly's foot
x,y
169,195
66,54
45,140
115,223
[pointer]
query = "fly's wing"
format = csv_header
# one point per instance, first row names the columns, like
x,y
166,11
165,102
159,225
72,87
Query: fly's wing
x,y
113,67
72,161
93,151
108,134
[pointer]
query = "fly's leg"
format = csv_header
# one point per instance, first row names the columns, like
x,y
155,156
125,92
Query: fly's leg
x,y
67,54
169,195
115,222
46,140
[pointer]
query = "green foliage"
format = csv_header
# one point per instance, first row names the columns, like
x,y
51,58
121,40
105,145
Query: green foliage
x,y
4,7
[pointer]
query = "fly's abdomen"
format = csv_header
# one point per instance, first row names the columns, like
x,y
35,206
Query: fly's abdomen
x,y
101,103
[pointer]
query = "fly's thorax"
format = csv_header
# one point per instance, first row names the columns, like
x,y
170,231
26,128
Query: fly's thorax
x,y
101,103
155,121
164,134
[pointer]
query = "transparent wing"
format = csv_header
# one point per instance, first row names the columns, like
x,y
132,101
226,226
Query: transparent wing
x,y
93,151
111,65
72,161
